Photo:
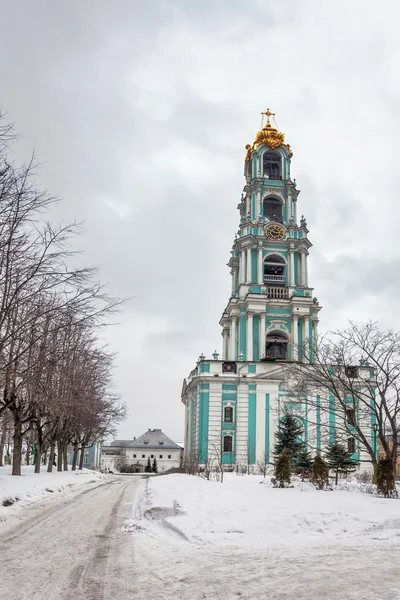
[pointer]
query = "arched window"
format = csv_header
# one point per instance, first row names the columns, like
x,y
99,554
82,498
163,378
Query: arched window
x,y
276,345
272,164
272,209
228,414
228,443
274,270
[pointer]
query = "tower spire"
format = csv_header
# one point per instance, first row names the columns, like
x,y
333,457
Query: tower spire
x,y
268,114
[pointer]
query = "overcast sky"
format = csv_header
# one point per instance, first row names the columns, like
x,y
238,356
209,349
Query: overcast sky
x,y
140,112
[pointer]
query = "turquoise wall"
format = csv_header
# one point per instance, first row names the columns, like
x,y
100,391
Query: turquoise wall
x,y
253,265
256,341
204,403
251,432
266,448
242,334
332,419
318,424
300,338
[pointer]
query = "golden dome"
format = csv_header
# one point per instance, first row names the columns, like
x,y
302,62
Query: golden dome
x,y
268,135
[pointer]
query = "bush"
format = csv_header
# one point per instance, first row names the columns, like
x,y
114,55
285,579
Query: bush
x,y
282,470
385,482
320,473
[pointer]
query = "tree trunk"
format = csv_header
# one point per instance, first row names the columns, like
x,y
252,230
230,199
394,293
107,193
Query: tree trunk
x,y
38,458
51,458
75,457
82,455
65,458
17,449
60,451
44,458
3,441
337,476
28,453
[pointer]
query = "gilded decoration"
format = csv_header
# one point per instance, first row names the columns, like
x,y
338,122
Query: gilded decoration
x,y
269,136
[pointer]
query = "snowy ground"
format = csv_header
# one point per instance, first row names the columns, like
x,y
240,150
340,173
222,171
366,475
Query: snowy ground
x,y
244,539
19,492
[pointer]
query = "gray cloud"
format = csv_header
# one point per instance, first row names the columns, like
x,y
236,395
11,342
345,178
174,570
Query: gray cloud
x,y
141,111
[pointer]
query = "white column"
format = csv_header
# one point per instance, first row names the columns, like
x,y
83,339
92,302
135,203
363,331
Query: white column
x,y
260,274
233,339
258,204
303,267
248,269
315,332
262,334
306,334
289,205
248,204
295,210
235,278
249,336
241,266
295,338
291,268
225,341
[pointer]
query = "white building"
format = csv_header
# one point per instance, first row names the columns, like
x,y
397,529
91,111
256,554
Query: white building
x,y
152,444
233,405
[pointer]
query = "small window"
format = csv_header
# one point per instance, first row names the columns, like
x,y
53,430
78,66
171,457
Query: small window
x,y
160,456
169,456
134,456
351,416
143,456
228,443
152,456
351,445
228,414
350,372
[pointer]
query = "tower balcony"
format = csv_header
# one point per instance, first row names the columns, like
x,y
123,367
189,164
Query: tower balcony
x,y
277,293
274,279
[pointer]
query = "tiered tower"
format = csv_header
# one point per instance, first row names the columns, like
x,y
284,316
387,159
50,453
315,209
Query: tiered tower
x,y
271,312
233,403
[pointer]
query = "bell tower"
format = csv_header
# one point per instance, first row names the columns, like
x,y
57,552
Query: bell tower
x,y
272,311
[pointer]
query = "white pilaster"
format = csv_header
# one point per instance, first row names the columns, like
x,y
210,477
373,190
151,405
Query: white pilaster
x,y
289,205
291,267
295,337
225,344
248,269
249,336
242,266
233,339
260,274
258,203
295,210
248,204
306,334
262,334
303,267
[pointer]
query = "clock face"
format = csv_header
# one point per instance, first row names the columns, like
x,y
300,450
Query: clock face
x,y
275,232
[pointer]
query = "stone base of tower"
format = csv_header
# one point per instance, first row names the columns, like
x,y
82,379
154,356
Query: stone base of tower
x,y
232,412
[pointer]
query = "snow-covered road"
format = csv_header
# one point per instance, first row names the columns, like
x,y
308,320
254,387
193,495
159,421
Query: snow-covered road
x,y
71,549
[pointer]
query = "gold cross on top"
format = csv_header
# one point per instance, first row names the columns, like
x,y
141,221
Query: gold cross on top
x,y
268,114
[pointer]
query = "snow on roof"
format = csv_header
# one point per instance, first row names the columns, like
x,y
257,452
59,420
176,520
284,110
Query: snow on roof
x,y
153,438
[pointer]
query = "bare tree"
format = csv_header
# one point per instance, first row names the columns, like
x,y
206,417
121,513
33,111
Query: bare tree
x,y
354,377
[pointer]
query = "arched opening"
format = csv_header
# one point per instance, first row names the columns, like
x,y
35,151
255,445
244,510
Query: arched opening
x,y
275,270
276,346
272,165
228,443
273,209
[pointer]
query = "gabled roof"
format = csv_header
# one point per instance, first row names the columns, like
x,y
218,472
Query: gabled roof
x,y
153,438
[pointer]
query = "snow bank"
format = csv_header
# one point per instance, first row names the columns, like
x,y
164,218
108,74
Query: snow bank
x,y
18,492
247,512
